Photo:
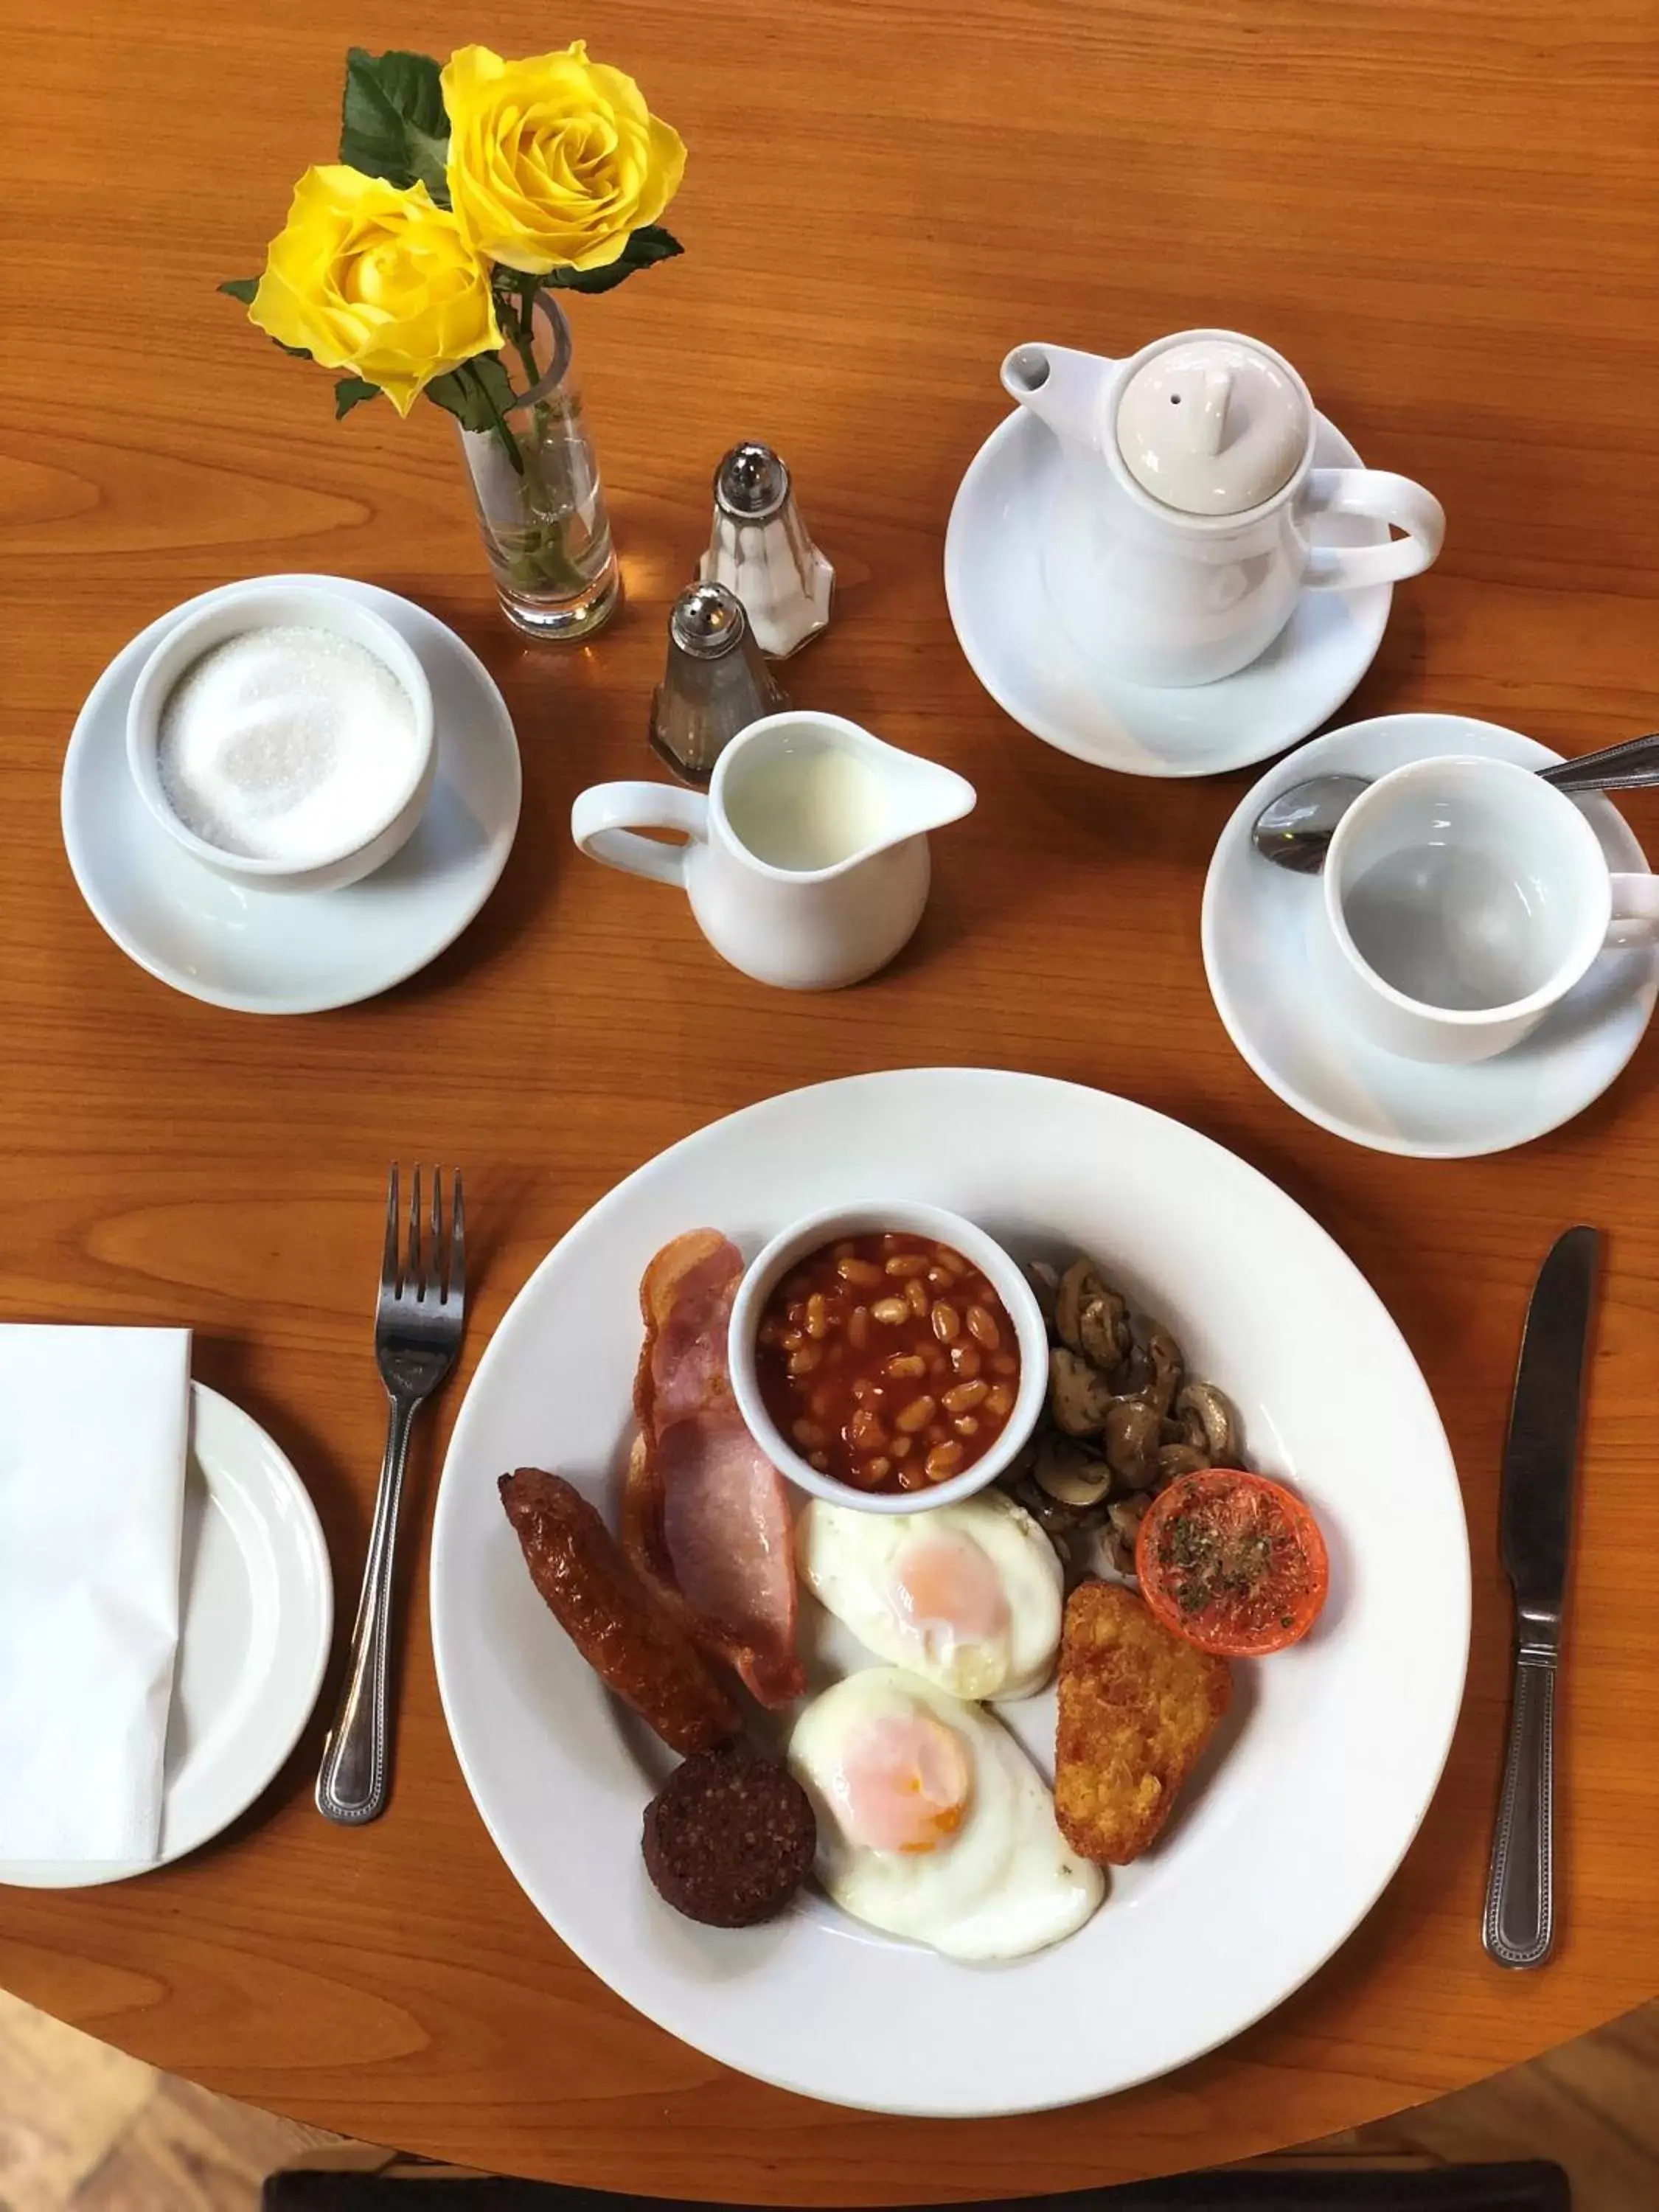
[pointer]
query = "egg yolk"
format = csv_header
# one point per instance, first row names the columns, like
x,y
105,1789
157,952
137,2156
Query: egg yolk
x,y
902,1783
945,1582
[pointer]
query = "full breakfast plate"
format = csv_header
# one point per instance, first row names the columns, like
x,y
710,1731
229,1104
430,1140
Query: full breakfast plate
x,y
1294,1814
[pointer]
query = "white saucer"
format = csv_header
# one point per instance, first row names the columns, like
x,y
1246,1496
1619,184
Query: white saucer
x,y
1016,647
268,952
256,1613
1260,955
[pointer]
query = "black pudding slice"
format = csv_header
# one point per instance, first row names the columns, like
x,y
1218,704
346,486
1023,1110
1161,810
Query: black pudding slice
x,y
730,1837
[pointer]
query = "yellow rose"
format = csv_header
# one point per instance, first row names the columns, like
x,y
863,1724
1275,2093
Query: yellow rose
x,y
553,162
367,277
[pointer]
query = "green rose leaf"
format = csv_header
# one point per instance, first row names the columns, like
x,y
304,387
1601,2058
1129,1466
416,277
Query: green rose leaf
x,y
496,384
392,123
458,395
478,394
649,244
351,392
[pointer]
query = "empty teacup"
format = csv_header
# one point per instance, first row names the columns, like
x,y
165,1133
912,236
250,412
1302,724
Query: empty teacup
x,y
807,864
1465,899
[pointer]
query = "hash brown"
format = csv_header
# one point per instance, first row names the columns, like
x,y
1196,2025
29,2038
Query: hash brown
x,y
1138,1705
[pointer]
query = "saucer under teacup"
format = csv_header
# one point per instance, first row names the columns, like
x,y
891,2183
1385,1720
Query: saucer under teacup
x,y
296,951
1014,643
1263,942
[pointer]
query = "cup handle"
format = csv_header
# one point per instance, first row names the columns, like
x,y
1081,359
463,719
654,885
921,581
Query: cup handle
x,y
1635,910
1386,498
604,819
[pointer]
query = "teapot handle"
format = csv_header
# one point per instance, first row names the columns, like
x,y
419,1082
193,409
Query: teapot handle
x,y
1386,498
606,816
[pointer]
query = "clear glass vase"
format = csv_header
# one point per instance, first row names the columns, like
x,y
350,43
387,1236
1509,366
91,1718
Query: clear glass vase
x,y
540,503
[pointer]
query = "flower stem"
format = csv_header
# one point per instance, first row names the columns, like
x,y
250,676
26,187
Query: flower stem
x,y
500,426
524,332
540,554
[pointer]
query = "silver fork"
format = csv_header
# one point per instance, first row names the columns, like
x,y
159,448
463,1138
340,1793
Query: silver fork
x,y
417,1333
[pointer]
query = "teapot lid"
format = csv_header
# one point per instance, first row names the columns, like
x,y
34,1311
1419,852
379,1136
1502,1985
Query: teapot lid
x,y
1212,425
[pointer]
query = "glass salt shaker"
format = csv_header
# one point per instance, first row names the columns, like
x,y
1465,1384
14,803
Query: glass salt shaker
x,y
715,683
759,549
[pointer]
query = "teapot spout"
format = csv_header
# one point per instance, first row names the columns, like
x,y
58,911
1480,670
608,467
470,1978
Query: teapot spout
x,y
1061,387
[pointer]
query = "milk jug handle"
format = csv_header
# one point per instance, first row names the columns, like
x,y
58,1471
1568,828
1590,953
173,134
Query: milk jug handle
x,y
1386,498
606,816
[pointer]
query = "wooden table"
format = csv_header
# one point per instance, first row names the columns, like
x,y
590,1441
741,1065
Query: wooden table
x,y
1444,213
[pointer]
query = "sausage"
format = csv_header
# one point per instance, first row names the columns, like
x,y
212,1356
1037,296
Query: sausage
x,y
629,1633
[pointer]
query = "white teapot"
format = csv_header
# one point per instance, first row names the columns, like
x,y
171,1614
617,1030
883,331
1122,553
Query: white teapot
x,y
1178,540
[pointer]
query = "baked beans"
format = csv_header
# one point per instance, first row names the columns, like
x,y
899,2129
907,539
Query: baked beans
x,y
888,1361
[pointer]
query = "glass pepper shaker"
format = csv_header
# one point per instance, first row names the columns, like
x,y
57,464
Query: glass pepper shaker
x,y
716,683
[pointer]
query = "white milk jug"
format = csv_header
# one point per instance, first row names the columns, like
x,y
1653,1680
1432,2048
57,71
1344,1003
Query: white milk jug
x,y
807,865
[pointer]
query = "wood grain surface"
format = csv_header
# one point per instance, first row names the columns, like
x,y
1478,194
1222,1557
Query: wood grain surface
x,y
1443,210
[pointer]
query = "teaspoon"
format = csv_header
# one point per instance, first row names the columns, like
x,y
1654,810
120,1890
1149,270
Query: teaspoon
x,y
1294,829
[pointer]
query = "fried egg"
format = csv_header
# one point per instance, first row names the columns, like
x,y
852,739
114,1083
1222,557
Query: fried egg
x,y
932,1823
967,1596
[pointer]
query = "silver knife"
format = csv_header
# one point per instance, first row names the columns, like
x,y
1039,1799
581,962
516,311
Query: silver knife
x,y
1534,1527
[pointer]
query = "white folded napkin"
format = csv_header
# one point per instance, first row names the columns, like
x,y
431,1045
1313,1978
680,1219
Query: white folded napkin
x,y
94,1425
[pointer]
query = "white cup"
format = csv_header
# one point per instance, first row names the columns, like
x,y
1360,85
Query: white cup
x,y
1465,899
257,604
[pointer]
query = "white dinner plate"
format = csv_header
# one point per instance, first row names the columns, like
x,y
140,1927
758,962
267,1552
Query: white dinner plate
x,y
1266,975
256,1612
1015,645
1324,1770
296,952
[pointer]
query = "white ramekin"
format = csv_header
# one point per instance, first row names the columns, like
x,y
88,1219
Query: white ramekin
x,y
905,1217
253,605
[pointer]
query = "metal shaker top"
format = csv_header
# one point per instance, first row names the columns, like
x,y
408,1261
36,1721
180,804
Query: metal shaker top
x,y
708,620
715,682
751,482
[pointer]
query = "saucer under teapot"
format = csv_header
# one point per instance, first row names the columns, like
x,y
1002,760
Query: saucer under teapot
x,y
1012,639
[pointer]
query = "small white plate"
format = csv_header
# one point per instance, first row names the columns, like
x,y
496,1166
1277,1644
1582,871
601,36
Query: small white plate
x,y
1329,1759
296,952
1260,955
1016,647
256,1613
